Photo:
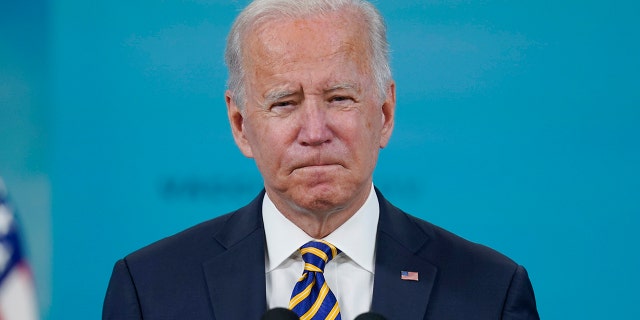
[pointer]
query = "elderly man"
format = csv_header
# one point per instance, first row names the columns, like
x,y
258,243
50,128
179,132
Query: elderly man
x,y
312,100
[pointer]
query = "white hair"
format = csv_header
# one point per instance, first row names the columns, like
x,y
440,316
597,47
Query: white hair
x,y
260,11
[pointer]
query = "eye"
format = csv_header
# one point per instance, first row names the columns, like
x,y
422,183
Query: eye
x,y
340,99
284,107
281,104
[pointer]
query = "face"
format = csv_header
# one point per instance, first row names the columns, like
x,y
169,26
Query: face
x,y
314,121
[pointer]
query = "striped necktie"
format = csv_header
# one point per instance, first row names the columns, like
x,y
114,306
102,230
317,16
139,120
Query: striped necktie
x,y
311,297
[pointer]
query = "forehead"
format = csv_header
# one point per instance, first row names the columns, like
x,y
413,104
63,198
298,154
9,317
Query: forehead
x,y
309,39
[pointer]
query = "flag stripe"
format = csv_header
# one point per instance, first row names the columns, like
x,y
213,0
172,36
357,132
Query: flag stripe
x,y
17,292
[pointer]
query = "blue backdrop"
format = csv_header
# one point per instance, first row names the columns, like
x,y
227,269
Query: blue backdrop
x,y
517,127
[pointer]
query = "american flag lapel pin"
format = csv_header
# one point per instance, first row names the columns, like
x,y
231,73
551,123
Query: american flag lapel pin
x,y
409,275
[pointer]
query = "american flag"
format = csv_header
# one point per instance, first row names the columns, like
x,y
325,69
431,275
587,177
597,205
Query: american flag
x,y
17,293
409,275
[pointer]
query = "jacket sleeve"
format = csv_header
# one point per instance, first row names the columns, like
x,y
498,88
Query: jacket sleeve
x,y
520,303
121,300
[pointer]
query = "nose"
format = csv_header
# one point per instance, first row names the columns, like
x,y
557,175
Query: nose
x,y
314,126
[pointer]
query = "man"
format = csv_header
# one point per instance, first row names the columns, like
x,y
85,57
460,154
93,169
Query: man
x,y
312,100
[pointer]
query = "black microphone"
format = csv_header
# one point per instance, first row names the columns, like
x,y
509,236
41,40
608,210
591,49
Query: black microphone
x,y
370,316
279,314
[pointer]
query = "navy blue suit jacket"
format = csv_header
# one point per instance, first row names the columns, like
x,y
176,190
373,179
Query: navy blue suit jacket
x,y
215,270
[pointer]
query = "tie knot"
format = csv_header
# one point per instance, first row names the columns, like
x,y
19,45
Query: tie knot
x,y
317,253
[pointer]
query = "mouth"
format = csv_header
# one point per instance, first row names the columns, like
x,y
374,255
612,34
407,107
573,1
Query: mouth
x,y
316,167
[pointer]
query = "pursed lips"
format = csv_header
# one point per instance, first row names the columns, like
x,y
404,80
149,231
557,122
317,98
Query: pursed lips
x,y
316,166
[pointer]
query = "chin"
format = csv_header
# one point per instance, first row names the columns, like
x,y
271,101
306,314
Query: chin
x,y
321,206
322,198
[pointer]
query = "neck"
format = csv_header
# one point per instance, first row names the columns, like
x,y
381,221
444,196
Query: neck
x,y
320,223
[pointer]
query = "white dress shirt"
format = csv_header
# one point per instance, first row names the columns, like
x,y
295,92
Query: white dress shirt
x,y
349,275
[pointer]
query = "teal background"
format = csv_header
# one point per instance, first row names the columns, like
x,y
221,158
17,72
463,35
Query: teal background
x,y
517,127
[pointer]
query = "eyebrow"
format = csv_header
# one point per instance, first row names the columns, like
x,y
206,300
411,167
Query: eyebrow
x,y
344,86
275,95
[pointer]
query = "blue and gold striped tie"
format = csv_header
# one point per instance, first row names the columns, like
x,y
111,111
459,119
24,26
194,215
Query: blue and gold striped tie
x,y
311,297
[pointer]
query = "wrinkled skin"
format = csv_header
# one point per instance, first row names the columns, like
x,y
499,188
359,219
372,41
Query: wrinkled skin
x,y
314,120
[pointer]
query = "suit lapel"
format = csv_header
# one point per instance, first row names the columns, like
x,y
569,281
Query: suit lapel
x,y
397,246
236,277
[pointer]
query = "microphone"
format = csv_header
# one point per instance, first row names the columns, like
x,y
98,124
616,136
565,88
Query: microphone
x,y
279,314
370,316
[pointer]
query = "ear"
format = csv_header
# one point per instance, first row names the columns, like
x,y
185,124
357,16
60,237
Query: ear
x,y
388,114
236,120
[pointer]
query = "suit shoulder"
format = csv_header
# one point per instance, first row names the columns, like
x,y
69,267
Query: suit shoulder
x,y
443,248
202,241
182,243
446,244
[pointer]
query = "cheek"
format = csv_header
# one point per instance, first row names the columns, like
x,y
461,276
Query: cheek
x,y
369,125
361,132
268,140
372,128
255,137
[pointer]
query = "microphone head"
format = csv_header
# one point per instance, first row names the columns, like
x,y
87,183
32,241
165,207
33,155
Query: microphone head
x,y
279,314
370,316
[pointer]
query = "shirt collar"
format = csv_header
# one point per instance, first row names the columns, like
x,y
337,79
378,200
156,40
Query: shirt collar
x,y
356,237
